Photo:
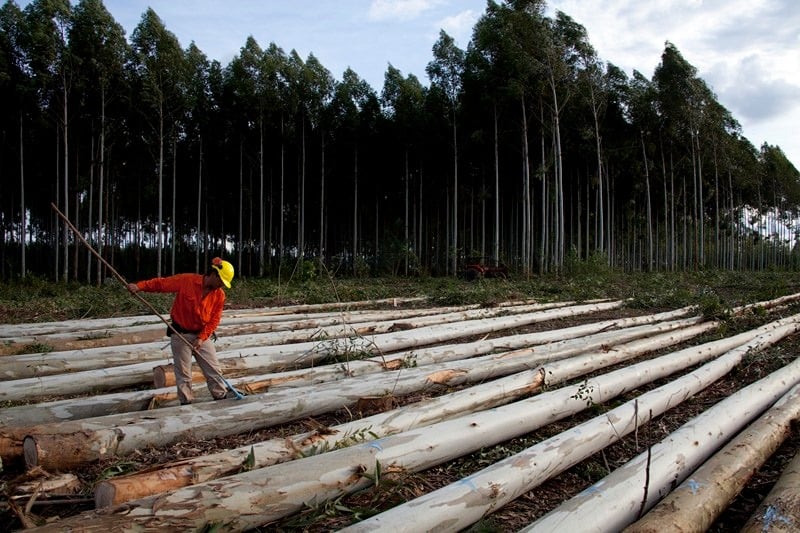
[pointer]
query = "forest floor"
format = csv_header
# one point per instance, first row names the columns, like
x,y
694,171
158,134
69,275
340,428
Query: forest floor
x,y
396,488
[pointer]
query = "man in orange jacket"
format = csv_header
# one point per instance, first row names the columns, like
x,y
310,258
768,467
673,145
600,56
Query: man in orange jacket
x,y
195,313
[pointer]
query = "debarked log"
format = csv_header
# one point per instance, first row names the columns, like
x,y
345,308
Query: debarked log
x,y
556,343
461,504
707,492
780,510
284,357
187,472
257,497
619,497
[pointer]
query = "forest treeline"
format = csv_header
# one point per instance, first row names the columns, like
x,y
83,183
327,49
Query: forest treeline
x,y
525,146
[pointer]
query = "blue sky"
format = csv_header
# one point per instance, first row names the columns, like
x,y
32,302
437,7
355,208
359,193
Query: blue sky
x,y
747,50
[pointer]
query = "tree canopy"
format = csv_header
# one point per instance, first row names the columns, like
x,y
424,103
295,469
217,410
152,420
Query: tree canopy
x,y
525,143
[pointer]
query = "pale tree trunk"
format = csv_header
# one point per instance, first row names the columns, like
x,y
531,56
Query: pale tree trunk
x,y
23,217
479,397
527,222
65,125
261,224
548,345
90,210
780,510
321,249
455,194
272,493
174,225
544,237
355,209
405,218
101,234
649,207
282,209
160,221
496,189
459,505
636,486
279,450
199,204
698,501
285,357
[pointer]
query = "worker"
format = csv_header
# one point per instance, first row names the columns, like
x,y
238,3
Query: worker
x,y
195,314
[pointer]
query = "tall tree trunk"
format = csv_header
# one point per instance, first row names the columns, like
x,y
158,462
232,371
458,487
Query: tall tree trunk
x,y
649,206
160,219
101,196
406,242
260,196
65,140
92,162
22,208
455,194
321,249
199,205
355,210
301,223
496,187
527,221
174,225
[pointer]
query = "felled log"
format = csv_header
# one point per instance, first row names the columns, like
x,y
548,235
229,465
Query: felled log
x,y
258,497
552,342
780,510
188,471
620,497
461,504
283,357
707,492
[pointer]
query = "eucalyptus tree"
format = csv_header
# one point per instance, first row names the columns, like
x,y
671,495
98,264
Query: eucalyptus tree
x,y
498,70
159,68
317,85
643,116
98,45
680,101
403,100
445,72
199,106
255,78
15,90
593,80
47,23
350,99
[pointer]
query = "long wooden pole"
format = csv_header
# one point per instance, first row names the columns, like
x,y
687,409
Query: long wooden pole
x,y
119,276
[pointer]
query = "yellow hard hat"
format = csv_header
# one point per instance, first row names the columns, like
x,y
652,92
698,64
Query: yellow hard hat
x,y
224,269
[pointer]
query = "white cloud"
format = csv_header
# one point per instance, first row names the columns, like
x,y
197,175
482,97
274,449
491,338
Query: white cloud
x,y
399,9
460,26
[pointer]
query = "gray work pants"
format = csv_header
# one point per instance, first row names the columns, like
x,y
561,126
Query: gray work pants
x,y
206,358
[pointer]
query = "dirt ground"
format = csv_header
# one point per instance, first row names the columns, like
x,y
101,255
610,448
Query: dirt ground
x,y
400,487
